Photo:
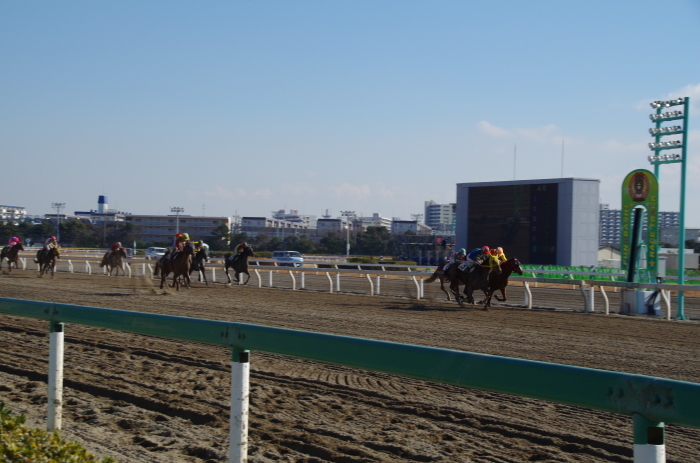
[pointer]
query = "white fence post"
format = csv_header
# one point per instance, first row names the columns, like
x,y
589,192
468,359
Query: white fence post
x,y
55,392
605,298
417,287
302,281
240,394
70,266
270,278
371,285
294,280
259,278
88,268
330,280
337,281
528,295
379,279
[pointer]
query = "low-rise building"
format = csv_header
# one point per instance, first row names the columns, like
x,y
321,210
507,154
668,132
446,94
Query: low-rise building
x,y
400,227
149,228
13,213
254,226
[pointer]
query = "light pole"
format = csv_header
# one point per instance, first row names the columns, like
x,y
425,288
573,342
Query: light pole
x,y
657,159
347,215
177,211
58,207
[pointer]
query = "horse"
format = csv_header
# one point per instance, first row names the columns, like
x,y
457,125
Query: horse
x,y
239,262
500,281
198,264
11,254
478,278
439,273
47,260
178,264
113,260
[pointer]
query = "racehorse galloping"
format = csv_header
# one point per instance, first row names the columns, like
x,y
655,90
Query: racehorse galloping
x,y
178,264
477,279
11,254
113,260
439,273
198,264
239,262
47,261
500,281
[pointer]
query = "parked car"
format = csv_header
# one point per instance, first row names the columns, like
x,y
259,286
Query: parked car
x,y
288,258
155,253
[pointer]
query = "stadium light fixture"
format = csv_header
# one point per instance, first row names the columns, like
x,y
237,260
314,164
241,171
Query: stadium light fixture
x,y
58,207
177,211
671,158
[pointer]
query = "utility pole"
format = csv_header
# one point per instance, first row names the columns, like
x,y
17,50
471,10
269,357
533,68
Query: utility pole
x,y
58,207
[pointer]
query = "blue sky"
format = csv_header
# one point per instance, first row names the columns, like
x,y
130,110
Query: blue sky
x,y
373,106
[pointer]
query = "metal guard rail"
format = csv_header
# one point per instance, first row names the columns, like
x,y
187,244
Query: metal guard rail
x,y
656,399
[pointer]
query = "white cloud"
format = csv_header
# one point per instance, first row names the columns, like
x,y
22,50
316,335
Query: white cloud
x,y
296,189
492,130
352,191
692,91
218,192
548,134
264,193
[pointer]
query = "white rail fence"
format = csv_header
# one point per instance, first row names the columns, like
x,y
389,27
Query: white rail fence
x,y
374,273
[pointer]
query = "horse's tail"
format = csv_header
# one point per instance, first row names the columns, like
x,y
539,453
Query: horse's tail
x,y
433,277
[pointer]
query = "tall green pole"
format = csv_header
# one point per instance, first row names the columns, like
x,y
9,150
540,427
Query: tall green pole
x,y
680,314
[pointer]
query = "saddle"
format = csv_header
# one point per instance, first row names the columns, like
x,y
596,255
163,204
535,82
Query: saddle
x,y
6,249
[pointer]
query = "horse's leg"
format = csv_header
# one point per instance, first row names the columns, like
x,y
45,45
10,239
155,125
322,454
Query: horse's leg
x,y
246,280
226,266
442,287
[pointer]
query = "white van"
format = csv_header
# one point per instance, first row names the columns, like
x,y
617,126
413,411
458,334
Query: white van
x,y
288,258
155,253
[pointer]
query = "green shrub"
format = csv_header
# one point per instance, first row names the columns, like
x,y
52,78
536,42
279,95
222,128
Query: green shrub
x,y
21,444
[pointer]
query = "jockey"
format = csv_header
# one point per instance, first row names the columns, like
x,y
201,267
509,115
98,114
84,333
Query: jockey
x,y
48,246
179,242
455,257
477,256
499,254
116,246
240,248
14,240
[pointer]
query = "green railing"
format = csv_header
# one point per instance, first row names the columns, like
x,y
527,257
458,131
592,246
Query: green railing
x,y
648,399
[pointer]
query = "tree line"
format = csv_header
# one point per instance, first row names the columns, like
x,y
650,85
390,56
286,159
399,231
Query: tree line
x,y
373,241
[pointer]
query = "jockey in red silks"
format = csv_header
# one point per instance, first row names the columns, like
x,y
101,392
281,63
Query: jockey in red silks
x,y
116,246
14,240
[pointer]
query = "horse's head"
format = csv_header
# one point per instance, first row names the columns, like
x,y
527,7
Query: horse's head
x,y
248,250
55,252
189,248
515,263
19,247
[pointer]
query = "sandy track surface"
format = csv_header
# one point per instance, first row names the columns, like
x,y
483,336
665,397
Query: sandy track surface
x,y
143,399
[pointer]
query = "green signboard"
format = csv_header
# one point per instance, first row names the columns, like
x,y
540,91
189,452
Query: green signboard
x,y
640,188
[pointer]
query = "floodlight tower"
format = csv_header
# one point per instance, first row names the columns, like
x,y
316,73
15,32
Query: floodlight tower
x,y
347,215
58,207
177,211
657,159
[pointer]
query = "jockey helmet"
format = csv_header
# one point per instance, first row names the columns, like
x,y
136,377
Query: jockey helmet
x,y
15,239
462,251
500,250
485,249
494,252
53,238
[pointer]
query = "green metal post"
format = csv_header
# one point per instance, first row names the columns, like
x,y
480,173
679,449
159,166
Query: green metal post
x,y
680,312
649,440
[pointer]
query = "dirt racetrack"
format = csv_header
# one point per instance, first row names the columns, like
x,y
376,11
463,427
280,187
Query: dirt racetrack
x,y
143,399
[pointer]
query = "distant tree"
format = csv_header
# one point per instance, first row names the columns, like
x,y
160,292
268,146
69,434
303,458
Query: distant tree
x,y
238,238
374,241
332,244
221,237
300,243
